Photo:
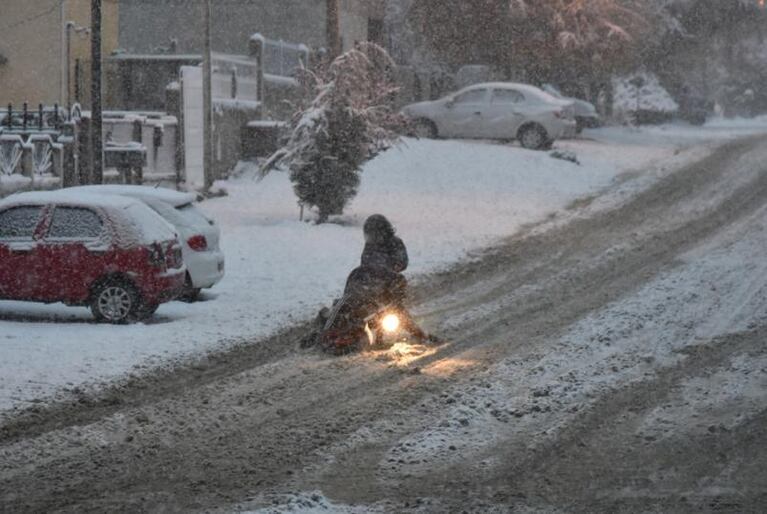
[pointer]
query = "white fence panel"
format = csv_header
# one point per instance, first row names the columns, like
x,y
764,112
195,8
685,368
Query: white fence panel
x,y
193,126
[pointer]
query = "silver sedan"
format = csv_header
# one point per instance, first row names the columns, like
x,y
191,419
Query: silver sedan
x,y
496,110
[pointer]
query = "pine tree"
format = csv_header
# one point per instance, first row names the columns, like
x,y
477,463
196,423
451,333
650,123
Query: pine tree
x,y
349,121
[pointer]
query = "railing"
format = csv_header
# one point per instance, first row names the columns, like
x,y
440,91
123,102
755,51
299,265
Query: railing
x,y
30,121
32,144
12,150
281,58
235,77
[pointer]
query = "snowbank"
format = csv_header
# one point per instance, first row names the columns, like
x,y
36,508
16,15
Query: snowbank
x,y
447,198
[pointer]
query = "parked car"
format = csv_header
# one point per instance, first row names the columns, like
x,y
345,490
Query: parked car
x,y
110,253
496,110
200,236
586,115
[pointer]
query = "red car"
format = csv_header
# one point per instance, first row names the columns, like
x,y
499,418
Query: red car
x,y
111,253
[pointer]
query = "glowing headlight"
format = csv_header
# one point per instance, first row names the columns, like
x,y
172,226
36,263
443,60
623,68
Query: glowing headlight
x,y
390,323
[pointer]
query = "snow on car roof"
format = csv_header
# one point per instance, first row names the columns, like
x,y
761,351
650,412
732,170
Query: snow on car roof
x,y
66,196
527,88
175,198
135,223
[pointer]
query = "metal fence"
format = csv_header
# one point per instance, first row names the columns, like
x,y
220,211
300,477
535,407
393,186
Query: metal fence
x,y
31,140
235,77
282,58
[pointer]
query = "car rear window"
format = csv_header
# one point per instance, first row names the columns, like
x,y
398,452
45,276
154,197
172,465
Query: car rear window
x,y
75,223
19,223
193,214
148,225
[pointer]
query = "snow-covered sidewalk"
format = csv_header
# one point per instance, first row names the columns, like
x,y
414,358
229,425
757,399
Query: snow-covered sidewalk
x,y
447,199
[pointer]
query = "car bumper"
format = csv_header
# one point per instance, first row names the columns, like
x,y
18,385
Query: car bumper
x,y
569,129
164,287
589,121
206,268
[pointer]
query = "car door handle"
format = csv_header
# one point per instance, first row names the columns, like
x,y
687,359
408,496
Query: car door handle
x,y
477,114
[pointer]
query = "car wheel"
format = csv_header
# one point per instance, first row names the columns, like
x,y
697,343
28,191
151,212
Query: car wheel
x,y
425,129
190,294
115,301
533,137
146,311
698,120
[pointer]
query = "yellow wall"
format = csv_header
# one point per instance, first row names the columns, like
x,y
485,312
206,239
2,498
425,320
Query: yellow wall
x,y
32,40
79,11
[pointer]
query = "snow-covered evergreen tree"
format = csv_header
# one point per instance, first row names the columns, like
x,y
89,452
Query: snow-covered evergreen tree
x,y
349,121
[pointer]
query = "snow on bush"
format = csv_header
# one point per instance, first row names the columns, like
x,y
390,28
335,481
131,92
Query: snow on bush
x,y
350,121
641,92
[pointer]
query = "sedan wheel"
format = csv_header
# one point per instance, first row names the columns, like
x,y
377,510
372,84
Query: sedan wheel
x,y
533,138
424,129
114,303
190,294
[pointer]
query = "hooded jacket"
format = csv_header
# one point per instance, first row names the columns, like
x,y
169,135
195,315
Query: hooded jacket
x,y
389,253
383,249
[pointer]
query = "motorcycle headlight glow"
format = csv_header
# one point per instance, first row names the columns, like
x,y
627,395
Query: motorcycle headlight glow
x,y
390,323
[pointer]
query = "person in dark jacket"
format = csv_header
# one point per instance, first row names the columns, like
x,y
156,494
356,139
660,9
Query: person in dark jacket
x,y
379,277
384,259
382,246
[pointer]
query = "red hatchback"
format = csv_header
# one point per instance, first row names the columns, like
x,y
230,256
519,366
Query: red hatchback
x,y
110,253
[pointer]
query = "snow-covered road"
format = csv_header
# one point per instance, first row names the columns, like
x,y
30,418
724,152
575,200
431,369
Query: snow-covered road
x,y
447,198
589,361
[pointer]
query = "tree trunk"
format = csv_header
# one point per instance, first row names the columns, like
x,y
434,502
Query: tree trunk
x,y
333,16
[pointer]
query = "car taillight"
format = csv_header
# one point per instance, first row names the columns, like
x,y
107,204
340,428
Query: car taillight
x,y
156,256
198,243
173,257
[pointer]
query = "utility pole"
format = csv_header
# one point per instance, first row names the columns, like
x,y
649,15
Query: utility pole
x,y
207,101
96,118
333,16
70,27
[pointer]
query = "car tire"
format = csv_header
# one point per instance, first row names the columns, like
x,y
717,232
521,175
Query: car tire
x,y
146,311
425,129
115,301
533,137
190,294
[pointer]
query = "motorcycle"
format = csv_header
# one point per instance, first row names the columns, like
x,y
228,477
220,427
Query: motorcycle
x,y
369,314
352,326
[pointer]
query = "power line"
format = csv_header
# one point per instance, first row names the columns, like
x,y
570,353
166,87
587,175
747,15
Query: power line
x,y
30,19
39,15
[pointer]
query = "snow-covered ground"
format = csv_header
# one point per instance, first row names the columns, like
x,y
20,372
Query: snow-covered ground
x,y
623,343
447,199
